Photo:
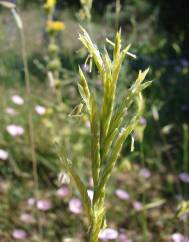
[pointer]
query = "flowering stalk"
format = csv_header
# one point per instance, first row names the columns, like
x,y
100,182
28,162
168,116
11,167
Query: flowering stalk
x,y
108,127
12,5
85,11
54,64
118,9
28,91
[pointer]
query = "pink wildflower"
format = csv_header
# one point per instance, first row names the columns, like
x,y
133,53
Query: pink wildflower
x,y
40,110
27,218
44,205
15,130
137,206
62,192
184,177
75,206
123,238
177,237
31,201
145,173
10,111
108,234
184,217
122,194
19,234
142,121
3,154
17,100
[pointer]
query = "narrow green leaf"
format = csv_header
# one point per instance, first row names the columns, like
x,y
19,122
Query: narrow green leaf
x,y
67,164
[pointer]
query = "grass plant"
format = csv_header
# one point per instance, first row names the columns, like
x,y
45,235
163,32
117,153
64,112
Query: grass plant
x,y
110,124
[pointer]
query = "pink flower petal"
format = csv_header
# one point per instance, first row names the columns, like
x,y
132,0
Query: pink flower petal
x,y
27,218
3,154
123,238
137,206
108,234
11,111
62,192
17,100
44,205
145,173
40,110
19,234
15,130
184,177
142,121
75,206
177,237
122,194
31,201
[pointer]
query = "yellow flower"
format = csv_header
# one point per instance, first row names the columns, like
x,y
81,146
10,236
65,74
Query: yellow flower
x,y
50,4
82,14
55,26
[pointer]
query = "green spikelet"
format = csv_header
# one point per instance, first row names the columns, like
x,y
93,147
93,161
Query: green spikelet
x,y
108,127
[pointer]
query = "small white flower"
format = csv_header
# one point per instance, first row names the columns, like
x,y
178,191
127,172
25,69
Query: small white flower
x,y
27,218
144,172
14,130
177,237
3,154
40,110
17,100
10,111
19,234
31,201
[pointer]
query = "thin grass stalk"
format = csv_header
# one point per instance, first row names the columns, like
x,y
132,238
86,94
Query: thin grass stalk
x,y
169,157
30,121
185,147
118,9
185,163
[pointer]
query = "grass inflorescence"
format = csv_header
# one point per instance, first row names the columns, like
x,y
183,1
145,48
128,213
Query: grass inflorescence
x,y
108,125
